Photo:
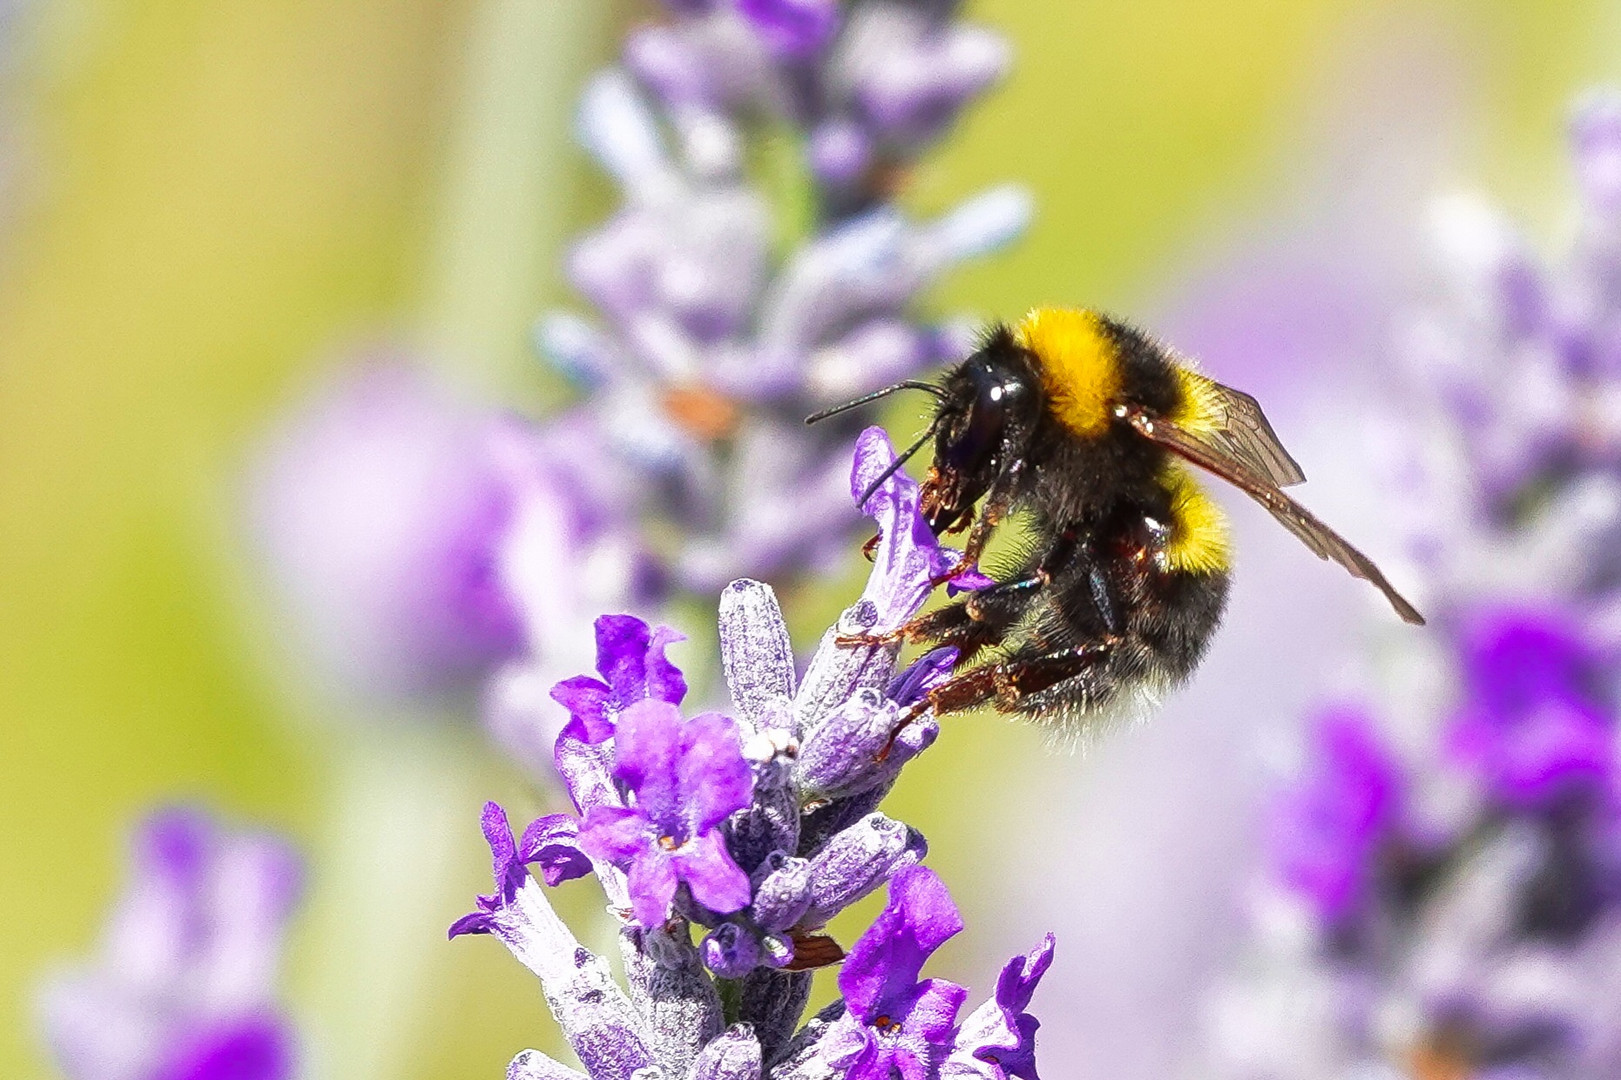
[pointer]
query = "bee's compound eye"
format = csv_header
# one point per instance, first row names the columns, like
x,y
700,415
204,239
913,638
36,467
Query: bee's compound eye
x,y
978,435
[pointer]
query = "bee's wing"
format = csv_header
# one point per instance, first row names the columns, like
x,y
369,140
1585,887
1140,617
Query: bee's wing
x,y
1243,434
1328,544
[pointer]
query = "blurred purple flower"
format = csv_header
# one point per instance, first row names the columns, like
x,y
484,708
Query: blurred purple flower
x,y
184,986
1529,723
1328,829
379,511
399,526
770,821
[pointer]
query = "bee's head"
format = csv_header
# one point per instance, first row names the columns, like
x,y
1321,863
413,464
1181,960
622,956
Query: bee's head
x,y
982,426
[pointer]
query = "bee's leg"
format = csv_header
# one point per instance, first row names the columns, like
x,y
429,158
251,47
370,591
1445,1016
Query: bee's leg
x,y
1005,682
979,619
997,505
935,626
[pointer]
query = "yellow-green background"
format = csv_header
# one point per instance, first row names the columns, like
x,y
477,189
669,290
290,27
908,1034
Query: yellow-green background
x,y
211,200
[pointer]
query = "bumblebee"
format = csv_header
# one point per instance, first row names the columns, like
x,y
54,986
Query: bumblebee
x,y
1090,430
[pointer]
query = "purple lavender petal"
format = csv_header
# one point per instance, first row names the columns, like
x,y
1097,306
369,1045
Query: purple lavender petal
x,y
792,28
586,700
1326,833
716,881
553,841
924,674
998,1038
883,966
647,755
506,869
931,1010
652,882
615,834
249,1048
713,780
909,556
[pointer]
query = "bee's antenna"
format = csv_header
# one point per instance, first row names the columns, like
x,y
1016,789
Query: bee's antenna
x,y
909,384
894,466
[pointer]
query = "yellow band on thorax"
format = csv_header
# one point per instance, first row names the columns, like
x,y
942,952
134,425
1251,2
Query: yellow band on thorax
x,y
1080,366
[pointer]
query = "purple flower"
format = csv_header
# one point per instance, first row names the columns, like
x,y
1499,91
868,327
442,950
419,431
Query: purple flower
x,y
910,558
897,1024
550,841
631,661
998,1039
379,511
792,28
1529,724
1463,905
600,1023
184,988
761,829
1328,830
685,779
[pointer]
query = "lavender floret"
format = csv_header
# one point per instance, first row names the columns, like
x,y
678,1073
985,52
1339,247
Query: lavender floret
x,y
184,985
732,824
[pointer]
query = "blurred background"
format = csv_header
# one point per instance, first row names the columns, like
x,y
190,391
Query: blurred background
x,y
206,209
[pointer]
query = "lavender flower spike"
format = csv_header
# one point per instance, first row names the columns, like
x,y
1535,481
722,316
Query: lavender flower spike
x,y
760,829
706,346
184,987
1446,893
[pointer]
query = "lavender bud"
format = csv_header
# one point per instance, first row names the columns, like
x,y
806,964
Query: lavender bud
x,y
735,1055
857,861
781,891
1596,135
840,152
731,951
755,651
859,747
837,671
533,1065
980,225
577,349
